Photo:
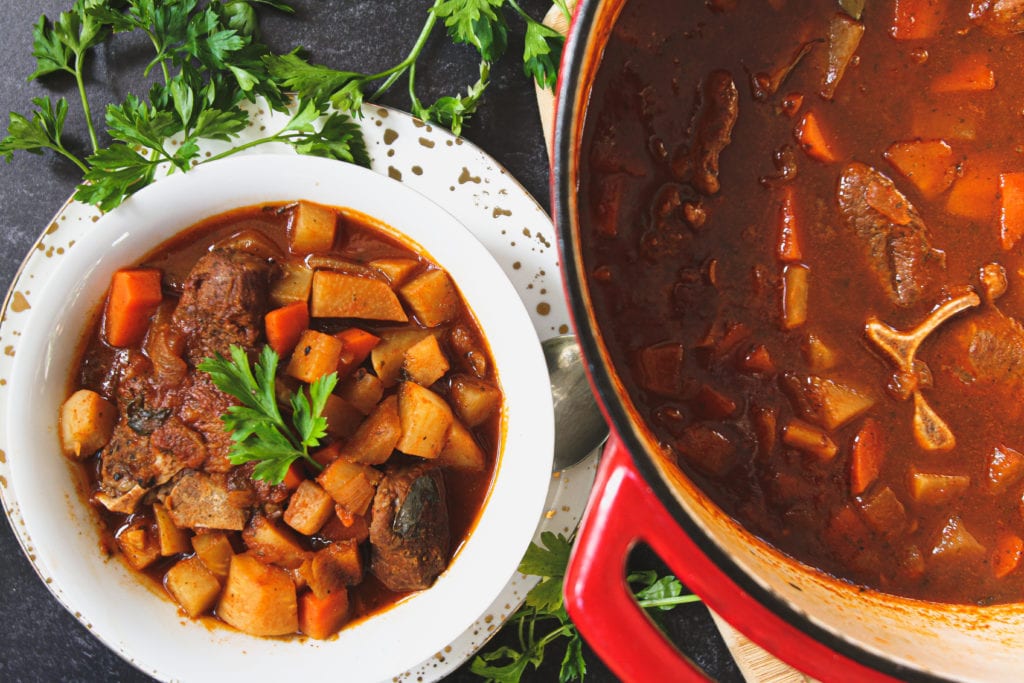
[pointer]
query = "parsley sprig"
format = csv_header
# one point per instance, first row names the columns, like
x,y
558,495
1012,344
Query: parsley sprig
x,y
544,609
258,429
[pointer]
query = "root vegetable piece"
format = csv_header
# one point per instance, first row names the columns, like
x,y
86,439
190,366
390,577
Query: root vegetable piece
x,y
397,270
1011,209
424,362
312,228
259,599
425,419
795,292
955,543
461,451
712,404
819,355
285,325
215,550
309,508
86,423
975,194
809,439
866,456
375,439
138,545
474,399
1006,554
1004,468
917,19
825,402
387,356
432,298
293,286
707,449
757,360
316,355
356,345
135,294
170,538
320,618
813,139
333,568
268,542
844,34
354,527
339,295
787,249
970,74
350,484
343,418
929,164
937,489
193,586
661,368
363,390
884,512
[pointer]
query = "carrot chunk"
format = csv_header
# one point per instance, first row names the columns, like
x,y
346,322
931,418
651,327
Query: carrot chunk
x,y
1011,209
788,248
813,140
285,325
134,296
929,164
1006,554
356,347
970,75
917,19
321,618
866,456
976,194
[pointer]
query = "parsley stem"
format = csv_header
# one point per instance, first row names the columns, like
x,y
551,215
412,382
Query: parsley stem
x,y
79,66
395,72
668,602
60,149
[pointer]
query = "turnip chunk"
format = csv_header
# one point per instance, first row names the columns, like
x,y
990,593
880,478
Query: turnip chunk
x,y
425,362
387,357
432,298
461,451
339,295
375,439
810,439
259,599
215,550
474,399
312,228
86,423
294,285
425,418
193,586
309,508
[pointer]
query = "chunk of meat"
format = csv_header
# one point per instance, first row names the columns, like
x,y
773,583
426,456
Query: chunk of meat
x,y
204,501
409,531
892,234
202,404
717,111
987,351
999,17
223,303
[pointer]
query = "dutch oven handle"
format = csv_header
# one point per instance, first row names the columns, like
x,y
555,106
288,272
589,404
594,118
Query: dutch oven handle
x,y
623,511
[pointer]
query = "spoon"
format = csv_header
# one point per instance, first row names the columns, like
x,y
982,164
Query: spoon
x,y
579,425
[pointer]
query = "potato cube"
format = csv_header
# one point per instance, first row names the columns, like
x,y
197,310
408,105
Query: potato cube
x,y
376,437
333,568
86,423
343,418
215,550
461,451
309,508
474,399
363,390
340,295
387,356
138,546
293,286
312,228
350,484
397,270
315,355
193,586
425,418
270,543
259,599
432,297
809,439
425,362
172,539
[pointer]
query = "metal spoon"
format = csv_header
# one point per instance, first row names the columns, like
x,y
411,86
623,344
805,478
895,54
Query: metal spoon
x,y
579,425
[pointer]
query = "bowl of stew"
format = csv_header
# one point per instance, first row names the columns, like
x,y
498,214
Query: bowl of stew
x,y
792,238
279,413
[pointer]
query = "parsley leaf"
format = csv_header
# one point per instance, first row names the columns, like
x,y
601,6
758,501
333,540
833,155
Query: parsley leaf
x,y
258,429
542,53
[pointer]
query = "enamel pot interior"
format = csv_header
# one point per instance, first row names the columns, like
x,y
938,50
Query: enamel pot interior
x,y
911,640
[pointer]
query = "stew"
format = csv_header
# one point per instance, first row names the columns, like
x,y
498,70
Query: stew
x,y
287,417
803,244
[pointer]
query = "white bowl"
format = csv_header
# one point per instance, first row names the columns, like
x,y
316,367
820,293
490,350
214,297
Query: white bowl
x,y
60,532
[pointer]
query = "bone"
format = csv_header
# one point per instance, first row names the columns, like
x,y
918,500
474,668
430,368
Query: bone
x,y
931,432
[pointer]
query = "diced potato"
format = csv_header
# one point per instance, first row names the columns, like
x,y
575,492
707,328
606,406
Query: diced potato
x,y
312,228
757,360
86,423
937,489
424,362
340,295
809,439
425,418
432,297
259,599
193,586
884,512
343,418
795,291
956,543
819,355
461,451
474,399
315,355
333,568
293,286
270,543
387,356
975,194
711,404
138,546
376,437
397,270
215,550
825,402
1004,468
350,484
362,389
929,164
952,122
171,539
309,508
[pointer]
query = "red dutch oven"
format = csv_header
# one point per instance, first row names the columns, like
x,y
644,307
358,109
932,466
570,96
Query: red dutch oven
x,y
831,630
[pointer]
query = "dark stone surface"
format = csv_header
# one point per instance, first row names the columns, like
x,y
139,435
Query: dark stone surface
x,y
39,640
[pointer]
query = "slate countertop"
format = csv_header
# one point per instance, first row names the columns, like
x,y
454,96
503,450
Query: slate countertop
x,y
39,640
